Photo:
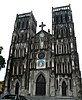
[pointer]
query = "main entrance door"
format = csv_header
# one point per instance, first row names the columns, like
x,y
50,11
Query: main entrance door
x,y
40,85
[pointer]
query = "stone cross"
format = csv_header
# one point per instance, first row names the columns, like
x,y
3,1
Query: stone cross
x,y
42,25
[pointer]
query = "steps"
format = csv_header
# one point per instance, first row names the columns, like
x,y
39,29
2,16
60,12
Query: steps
x,y
51,98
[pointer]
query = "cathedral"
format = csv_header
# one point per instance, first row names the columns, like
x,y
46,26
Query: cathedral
x,y
44,64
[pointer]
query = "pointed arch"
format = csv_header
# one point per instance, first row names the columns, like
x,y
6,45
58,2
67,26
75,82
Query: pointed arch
x,y
63,88
40,73
62,79
40,85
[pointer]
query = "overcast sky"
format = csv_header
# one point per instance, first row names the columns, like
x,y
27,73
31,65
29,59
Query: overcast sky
x,y
42,10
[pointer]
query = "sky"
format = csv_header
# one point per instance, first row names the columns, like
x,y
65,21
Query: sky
x,y
42,10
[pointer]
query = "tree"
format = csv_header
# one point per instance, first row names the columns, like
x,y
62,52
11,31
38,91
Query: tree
x,y
2,60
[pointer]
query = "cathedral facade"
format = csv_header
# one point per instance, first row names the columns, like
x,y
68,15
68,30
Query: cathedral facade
x,y
44,63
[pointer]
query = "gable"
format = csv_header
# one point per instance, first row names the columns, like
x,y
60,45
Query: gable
x,y
42,34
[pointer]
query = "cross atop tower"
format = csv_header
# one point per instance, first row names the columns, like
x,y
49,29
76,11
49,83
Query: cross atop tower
x,y
42,25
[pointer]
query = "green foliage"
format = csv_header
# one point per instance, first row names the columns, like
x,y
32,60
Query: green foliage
x,y
2,60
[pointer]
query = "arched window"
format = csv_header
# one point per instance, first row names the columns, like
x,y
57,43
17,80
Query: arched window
x,y
40,85
56,83
63,88
17,88
19,70
27,24
15,69
22,24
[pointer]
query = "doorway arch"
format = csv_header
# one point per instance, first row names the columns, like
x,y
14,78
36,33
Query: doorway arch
x,y
64,88
41,85
17,88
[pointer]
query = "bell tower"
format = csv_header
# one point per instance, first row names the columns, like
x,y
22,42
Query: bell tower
x,y
18,64
66,57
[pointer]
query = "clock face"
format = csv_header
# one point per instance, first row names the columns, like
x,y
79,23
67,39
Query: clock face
x,y
41,55
41,34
